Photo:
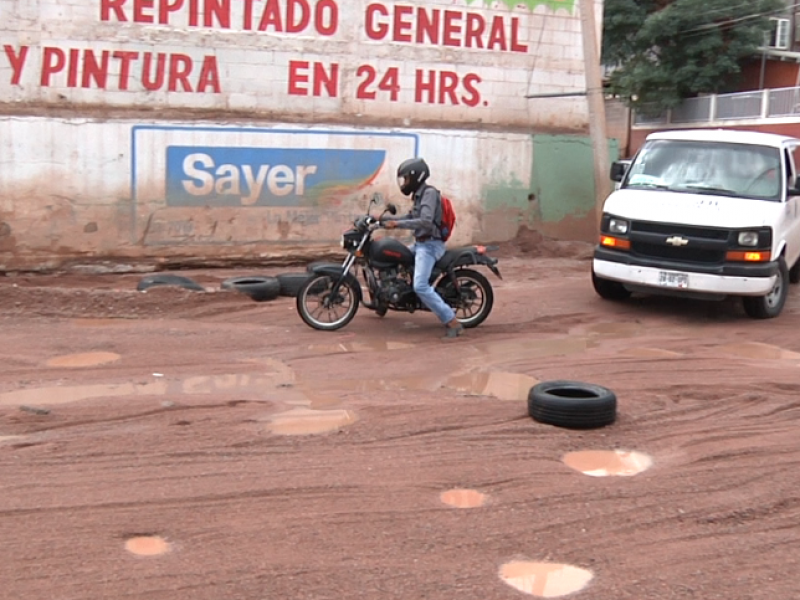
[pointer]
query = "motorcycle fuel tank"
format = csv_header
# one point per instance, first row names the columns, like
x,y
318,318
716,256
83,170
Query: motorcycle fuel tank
x,y
390,251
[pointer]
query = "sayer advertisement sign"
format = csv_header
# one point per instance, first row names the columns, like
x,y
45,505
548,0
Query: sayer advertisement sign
x,y
293,174
450,61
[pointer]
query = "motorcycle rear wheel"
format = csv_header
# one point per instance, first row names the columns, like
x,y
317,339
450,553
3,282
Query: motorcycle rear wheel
x,y
474,300
321,310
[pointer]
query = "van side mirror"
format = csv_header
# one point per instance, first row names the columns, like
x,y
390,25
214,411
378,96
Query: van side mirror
x,y
618,170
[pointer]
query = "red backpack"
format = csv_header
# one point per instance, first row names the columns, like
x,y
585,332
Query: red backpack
x,y
448,221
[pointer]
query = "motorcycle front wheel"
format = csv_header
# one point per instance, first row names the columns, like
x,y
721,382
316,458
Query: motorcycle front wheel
x,y
473,300
321,309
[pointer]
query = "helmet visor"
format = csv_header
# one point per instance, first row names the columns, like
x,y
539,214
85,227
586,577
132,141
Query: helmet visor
x,y
403,181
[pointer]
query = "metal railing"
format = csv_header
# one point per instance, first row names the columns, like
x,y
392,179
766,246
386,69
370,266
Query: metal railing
x,y
721,108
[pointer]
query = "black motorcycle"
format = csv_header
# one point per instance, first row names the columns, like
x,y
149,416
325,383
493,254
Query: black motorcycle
x,y
330,297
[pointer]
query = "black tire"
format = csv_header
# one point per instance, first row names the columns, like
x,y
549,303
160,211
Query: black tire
x,y
473,287
572,404
794,272
162,279
314,297
291,283
770,305
609,290
321,263
260,289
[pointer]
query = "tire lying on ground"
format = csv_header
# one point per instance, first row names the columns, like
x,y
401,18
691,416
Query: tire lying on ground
x,y
572,404
291,283
321,263
162,279
259,288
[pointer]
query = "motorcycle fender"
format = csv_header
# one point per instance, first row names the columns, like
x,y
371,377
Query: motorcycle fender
x,y
336,272
472,257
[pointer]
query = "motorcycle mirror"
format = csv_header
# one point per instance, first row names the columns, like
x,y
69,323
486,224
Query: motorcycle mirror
x,y
391,208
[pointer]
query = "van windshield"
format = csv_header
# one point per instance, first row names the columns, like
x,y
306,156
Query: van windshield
x,y
714,168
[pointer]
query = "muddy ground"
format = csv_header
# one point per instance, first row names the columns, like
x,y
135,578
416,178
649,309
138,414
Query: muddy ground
x,y
261,459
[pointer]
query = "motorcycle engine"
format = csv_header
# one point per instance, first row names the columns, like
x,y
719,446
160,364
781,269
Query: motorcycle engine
x,y
396,289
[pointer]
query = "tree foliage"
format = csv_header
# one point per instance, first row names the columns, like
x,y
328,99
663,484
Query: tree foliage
x,y
668,51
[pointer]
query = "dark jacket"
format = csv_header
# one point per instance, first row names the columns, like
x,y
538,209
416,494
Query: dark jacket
x,y
425,215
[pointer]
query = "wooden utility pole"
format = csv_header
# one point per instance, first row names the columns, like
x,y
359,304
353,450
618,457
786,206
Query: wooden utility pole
x,y
596,102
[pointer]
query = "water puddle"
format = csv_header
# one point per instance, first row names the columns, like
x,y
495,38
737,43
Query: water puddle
x,y
86,359
613,329
250,386
504,386
102,322
461,498
602,463
515,350
758,350
649,353
367,346
147,546
305,421
545,580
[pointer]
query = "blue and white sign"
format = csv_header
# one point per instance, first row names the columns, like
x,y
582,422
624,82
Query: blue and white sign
x,y
236,176
210,185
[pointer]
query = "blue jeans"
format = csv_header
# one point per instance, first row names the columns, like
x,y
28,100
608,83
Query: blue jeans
x,y
425,256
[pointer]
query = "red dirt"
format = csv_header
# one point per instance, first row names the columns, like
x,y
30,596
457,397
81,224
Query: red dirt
x,y
173,440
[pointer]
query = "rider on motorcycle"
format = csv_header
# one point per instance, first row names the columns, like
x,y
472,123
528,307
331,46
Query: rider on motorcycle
x,y
412,175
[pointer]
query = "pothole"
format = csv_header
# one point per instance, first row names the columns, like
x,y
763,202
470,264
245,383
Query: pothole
x,y
304,421
86,359
147,545
248,385
608,463
523,349
650,353
463,498
504,386
367,346
758,350
614,329
545,580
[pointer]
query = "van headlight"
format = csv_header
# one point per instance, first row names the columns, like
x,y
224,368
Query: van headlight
x,y
620,226
748,238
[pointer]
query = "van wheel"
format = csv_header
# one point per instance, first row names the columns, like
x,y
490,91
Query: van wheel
x,y
609,290
771,305
794,272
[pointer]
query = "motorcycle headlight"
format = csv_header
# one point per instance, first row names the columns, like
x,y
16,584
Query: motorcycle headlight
x,y
748,238
618,226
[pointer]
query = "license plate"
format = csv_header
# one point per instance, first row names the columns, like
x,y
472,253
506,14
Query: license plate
x,y
673,279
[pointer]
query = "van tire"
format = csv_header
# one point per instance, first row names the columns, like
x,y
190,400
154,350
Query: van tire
x,y
608,289
794,272
770,305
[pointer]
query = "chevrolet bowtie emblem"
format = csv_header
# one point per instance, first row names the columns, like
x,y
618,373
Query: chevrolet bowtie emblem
x,y
677,241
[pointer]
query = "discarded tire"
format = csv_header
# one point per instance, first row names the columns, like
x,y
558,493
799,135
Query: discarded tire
x,y
291,283
260,289
162,279
572,404
321,263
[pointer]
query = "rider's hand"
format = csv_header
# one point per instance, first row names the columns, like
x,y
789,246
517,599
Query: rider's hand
x,y
389,224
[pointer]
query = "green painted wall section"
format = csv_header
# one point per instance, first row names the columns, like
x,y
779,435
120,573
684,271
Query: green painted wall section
x,y
554,5
506,194
562,176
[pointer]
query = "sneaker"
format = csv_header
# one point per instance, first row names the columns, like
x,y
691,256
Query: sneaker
x,y
452,333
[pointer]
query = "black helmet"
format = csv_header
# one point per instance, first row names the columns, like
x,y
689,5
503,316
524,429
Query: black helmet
x,y
411,174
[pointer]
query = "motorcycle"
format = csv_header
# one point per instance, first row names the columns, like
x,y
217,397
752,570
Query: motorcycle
x,y
331,296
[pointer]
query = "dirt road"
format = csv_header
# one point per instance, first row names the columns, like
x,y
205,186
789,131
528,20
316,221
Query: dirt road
x,y
176,445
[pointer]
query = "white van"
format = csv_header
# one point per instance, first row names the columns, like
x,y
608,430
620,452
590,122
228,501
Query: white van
x,y
705,214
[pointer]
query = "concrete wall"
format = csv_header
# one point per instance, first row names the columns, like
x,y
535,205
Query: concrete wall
x,y
143,130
